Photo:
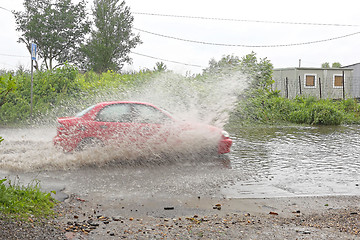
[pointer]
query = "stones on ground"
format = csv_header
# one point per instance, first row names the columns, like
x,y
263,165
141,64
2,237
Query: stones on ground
x,y
117,218
169,208
217,206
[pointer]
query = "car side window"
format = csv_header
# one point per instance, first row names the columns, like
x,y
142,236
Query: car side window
x,y
149,114
115,113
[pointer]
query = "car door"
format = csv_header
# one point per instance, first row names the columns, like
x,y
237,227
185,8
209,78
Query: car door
x,y
151,125
114,123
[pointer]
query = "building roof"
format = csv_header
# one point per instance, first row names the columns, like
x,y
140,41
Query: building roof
x,y
312,68
351,65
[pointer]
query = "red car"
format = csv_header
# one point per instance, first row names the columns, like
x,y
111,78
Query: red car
x,y
134,126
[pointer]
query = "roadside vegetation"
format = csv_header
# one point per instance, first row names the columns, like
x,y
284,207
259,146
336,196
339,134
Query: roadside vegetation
x,y
24,202
59,91
271,108
64,90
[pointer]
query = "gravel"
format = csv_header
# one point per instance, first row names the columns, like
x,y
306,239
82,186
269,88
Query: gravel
x,y
285,218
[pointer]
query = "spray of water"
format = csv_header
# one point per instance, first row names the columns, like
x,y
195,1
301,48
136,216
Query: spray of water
x,y
206,101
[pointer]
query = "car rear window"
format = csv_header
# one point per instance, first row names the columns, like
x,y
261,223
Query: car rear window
x,y
83,112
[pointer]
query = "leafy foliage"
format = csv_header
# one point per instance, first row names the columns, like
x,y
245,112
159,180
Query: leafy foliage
x,y
111,41
25,201
160,67
260,104
258,72
56,26
325,65
7,85
333,65
336,65
51,87
62,91
272,109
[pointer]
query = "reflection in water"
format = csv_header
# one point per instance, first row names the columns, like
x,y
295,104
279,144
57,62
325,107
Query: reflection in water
x,y
298,160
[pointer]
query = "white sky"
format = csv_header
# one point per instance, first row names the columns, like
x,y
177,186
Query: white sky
x,y
345,50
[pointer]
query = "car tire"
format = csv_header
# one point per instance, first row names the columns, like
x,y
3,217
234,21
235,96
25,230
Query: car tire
x,y
89,143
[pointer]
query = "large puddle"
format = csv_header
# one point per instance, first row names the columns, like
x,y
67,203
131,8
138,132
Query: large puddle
x,y
293,161
265,162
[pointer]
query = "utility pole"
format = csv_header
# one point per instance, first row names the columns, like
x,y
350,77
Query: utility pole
x,y
33,58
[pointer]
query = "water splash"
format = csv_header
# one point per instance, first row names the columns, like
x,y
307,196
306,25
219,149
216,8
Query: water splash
x,y
207,100
198,100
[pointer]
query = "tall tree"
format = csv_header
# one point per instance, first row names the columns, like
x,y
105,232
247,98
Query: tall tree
x,y
58,27
112,39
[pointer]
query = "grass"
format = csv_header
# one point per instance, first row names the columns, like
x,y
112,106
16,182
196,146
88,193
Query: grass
x,y
25,202
270,108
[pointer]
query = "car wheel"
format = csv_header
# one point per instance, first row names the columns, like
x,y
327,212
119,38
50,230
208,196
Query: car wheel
x,y
88,143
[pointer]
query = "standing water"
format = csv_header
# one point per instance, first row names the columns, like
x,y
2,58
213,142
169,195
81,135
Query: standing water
x,y
264,162
294,161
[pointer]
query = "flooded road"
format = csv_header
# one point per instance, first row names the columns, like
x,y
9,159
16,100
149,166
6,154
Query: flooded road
x,y
297,161
264,162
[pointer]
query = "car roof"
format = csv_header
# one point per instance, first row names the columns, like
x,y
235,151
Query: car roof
x,y
102,104
126,102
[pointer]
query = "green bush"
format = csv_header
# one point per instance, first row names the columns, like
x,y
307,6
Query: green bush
x,y
24,202
300,116
58,91
64,91
270,108
326,114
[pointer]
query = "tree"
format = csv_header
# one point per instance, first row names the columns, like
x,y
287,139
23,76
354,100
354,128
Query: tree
x,y
160,67
325,65
259,71
58,27
112,39
336,65
225,63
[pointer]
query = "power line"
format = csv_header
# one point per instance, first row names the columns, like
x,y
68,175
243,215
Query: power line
x,y
192,65
9,55
245,45
247,20
5,9
166,60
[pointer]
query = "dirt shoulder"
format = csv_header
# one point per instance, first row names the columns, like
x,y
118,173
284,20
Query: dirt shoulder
x,y
333,217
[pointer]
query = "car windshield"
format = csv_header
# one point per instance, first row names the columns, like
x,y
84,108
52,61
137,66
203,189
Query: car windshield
x,y
83,112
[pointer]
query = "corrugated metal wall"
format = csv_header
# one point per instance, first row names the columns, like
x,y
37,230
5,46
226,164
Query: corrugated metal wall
x,y
292,82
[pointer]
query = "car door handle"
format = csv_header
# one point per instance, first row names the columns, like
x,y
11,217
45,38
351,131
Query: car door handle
x,y
103,126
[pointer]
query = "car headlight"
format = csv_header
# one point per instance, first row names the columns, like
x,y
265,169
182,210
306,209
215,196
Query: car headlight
x,y
225,134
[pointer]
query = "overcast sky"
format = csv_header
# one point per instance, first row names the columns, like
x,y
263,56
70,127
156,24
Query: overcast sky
x,y
252,27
